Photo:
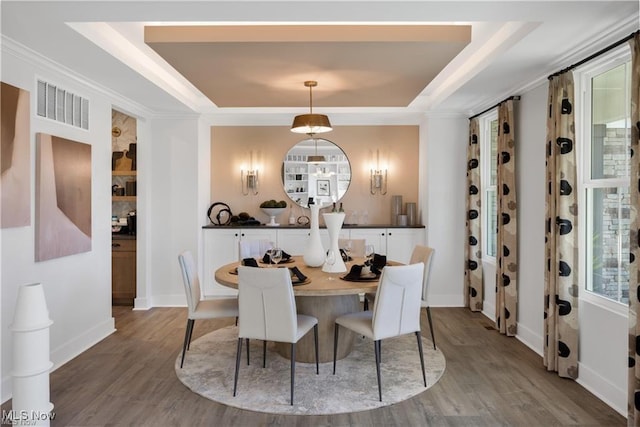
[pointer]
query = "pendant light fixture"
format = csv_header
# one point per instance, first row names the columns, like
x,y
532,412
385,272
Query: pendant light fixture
x,y
316,158
311,123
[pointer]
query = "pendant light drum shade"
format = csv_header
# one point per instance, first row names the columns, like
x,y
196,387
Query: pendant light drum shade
x,y
311,123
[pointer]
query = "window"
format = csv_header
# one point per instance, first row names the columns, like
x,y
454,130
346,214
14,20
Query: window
x,y
489,176
606,141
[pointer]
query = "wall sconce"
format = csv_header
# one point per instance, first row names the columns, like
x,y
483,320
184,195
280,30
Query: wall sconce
x,y
249,179
378,183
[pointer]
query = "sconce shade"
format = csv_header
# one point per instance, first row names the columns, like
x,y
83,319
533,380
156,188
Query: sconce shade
x,y
311,123
249,182
378,182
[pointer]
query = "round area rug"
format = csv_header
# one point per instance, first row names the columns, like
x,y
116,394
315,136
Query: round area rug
x,y
209,368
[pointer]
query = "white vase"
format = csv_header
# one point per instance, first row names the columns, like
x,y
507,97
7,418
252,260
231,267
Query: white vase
x,y
334,222
31,364
314,254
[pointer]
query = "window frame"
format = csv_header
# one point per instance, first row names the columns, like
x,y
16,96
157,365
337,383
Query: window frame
x,y
582,83
485,181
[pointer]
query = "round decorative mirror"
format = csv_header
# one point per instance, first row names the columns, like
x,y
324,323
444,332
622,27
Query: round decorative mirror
x,y
317,168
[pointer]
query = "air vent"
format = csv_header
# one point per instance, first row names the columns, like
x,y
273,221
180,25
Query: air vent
x,y
58,104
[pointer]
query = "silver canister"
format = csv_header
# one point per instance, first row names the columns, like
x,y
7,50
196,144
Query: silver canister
x,y
411,213
396,209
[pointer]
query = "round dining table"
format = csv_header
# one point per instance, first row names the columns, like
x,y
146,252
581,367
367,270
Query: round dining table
x,y
323,295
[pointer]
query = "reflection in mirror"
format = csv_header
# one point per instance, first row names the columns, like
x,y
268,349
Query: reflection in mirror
x,y
317,168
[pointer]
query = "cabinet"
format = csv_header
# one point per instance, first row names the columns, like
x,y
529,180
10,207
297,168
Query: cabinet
x,y
294,240
401,241
123,272
396,243
372,236
221,245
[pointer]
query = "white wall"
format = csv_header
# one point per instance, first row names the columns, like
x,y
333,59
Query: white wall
x,y
530,183
603,332
603,354
175,220
77,287
446,144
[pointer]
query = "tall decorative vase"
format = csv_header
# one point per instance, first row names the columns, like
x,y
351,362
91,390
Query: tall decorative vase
x,y
334,221
314,253
31,364
396,209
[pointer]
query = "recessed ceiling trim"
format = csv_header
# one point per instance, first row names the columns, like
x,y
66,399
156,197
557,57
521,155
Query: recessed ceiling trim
x,y
307,33
154,69
471,61
263,66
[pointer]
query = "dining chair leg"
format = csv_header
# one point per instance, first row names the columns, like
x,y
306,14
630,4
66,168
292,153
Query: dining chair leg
x,y
247,351
433,337
186,340
264,353
192,322
293,369
424,377
377,350
366,303
335,346
315,337
238,354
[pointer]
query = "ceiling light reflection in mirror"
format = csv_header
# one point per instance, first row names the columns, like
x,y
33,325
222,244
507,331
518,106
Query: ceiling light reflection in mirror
x,y
326,181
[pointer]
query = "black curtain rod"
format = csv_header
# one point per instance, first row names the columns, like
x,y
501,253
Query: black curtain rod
x,y
595,55
514,97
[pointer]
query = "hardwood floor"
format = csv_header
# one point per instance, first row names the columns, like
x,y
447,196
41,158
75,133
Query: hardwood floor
x,y
490,380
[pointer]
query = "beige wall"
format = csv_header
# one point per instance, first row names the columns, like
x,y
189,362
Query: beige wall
x,y
231,147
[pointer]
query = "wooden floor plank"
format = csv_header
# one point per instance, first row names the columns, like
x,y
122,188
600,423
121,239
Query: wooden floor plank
x,y
490,380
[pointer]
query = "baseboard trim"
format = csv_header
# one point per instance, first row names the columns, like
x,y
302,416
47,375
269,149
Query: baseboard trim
x,y
141,304
529,338
603,389
175,300
597,385
68,351
453,300
82,343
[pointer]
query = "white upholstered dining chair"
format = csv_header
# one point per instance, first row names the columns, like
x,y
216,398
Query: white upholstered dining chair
x,y
423,254
197,307
254,248
268,312
396,312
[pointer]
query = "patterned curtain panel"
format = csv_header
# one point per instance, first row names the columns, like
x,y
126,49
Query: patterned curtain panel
x,y
561,236
507,239
633,418
473,287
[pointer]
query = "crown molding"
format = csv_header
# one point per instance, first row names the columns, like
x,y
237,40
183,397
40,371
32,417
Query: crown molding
x,y
42,63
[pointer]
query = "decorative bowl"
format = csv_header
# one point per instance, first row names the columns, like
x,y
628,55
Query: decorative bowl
x,y
273,212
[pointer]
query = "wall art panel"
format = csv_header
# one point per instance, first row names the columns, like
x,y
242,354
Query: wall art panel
x,y
15,155
63,197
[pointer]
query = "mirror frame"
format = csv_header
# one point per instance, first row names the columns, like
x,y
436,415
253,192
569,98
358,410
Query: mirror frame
x,y
327,182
